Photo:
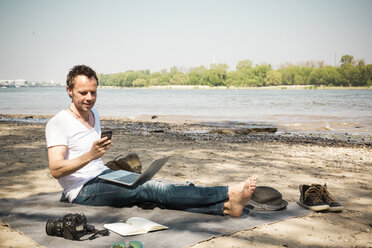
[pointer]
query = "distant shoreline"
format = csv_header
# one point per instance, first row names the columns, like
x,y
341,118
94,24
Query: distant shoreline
x,y
206,87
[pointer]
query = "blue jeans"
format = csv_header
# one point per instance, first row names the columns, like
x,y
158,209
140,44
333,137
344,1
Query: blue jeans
x,y
209,200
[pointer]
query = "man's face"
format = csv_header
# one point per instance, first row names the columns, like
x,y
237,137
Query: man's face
x,y
84,93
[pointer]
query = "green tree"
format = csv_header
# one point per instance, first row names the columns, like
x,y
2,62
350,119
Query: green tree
x,y
103,79
139,82
244,65
196,74
243,76
179,78
130,77
346,60
174,70
325,76
164,79
211,78
295,75
117,79
350,75
154,81
259,73
273,78
288,75
216,75
368,69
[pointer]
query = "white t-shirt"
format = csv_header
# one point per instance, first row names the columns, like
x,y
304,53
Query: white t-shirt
x,y
64,129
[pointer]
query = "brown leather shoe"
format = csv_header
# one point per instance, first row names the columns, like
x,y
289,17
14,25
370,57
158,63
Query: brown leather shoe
x,y
131,162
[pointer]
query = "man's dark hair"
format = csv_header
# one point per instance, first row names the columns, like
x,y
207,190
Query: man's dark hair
x,y
80,70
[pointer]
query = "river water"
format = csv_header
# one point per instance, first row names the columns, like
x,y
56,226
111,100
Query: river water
x,y
314,110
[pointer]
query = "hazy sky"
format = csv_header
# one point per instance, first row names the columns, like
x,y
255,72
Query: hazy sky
x,y
43,39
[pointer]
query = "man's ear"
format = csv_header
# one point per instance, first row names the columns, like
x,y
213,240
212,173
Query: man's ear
x,y
69,91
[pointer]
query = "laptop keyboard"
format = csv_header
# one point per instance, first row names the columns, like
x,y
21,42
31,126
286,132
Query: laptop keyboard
x,y
128,178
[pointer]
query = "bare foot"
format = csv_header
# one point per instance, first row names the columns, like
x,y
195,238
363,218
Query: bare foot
x,y
239,195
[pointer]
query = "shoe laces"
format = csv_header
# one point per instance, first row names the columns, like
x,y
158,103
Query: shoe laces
x,y
326,195
314,194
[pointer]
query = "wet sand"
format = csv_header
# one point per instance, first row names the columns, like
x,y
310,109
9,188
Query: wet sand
x,y
283,161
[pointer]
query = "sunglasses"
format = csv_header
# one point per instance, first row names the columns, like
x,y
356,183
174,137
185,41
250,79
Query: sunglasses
x,y
131,244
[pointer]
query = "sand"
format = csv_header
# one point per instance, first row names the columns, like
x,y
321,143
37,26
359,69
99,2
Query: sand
x,y
220,160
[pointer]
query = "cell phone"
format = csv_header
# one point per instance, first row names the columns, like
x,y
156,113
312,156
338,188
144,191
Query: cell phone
x,y
107,134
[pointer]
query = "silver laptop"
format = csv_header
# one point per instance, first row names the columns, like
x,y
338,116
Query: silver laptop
x,y
131,178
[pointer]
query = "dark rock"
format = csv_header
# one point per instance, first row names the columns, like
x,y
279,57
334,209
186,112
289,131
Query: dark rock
x,y
256,130
222,131
244,131
157,131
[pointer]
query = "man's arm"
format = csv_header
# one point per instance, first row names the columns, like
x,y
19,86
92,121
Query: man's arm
x,y
60,167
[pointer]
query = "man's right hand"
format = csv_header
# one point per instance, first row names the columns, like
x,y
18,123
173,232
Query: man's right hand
x,y
60,167
99,147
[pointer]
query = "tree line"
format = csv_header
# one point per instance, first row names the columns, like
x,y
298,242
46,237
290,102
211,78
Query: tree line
x,y
349,73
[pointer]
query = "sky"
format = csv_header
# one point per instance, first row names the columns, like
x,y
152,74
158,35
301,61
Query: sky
x,y
40,40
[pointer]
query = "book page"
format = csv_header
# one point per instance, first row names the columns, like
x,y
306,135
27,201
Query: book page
x,y
124,229
145,224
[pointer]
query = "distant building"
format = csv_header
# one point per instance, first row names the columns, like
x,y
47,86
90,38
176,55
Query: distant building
x,y
25,83
4,83
14,83
20,83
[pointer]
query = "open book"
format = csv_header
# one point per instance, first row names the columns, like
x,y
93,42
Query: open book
x,y
134,226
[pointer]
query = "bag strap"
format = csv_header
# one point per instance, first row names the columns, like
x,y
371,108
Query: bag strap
x,y
96,233
103,232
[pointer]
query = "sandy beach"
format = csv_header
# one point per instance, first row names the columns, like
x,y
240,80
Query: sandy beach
x,y
283,162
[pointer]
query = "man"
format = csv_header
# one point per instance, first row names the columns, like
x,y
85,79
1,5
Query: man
x,y
75,148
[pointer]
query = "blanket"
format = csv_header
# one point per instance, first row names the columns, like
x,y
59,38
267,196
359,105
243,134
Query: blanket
x,y
29,216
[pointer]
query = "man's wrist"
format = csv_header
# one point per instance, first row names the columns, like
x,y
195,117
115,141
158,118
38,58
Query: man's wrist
x,y
88,157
